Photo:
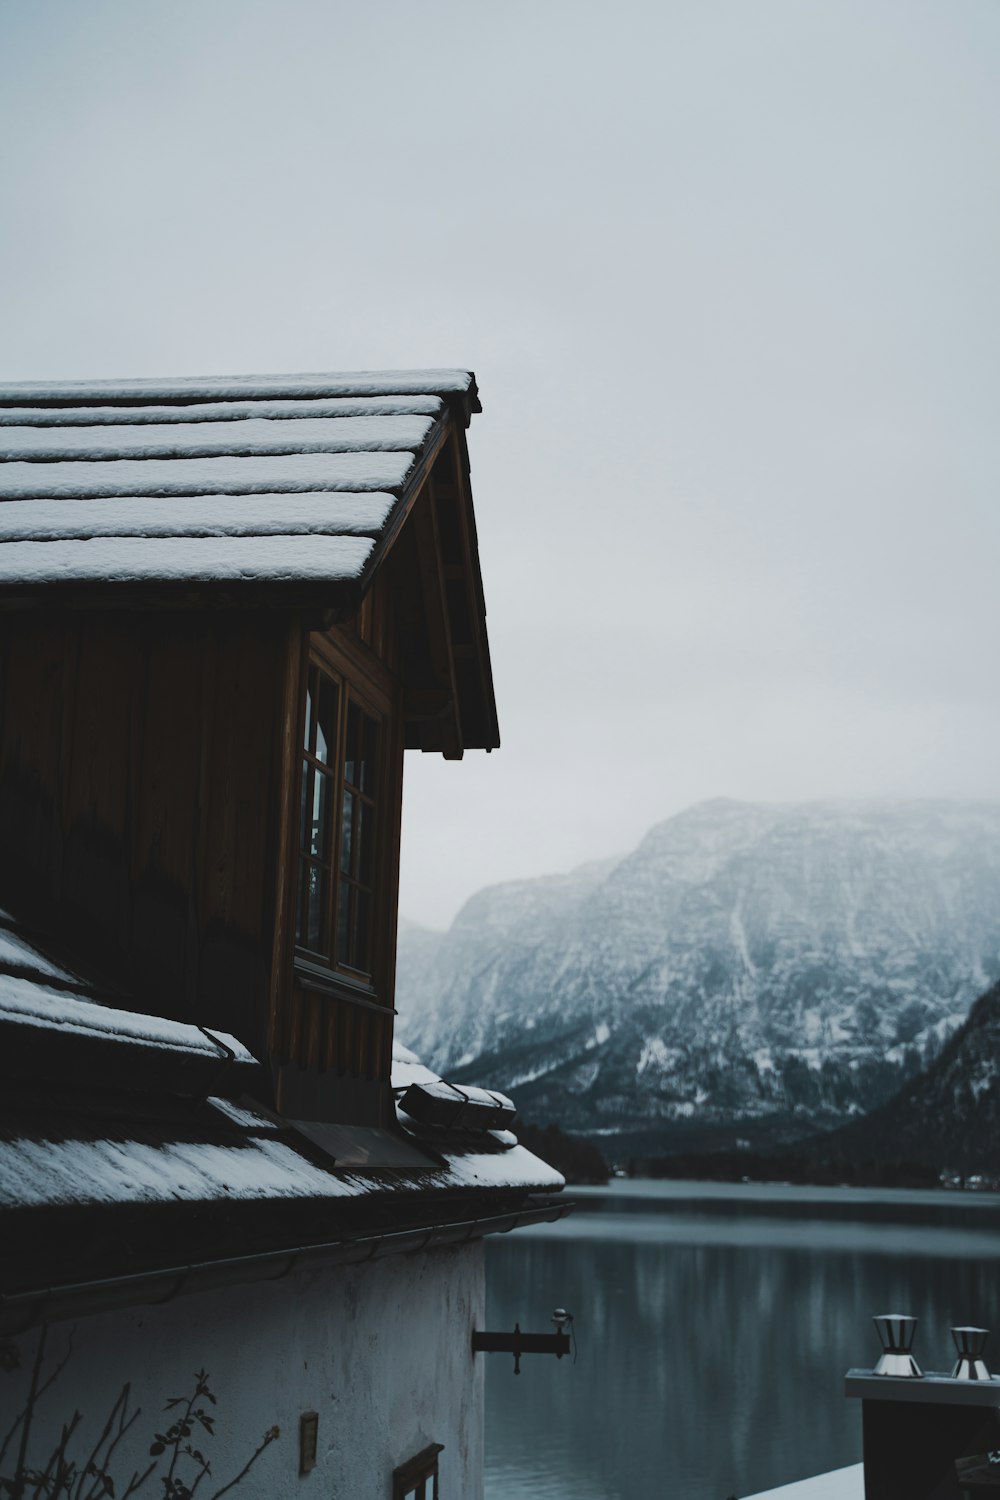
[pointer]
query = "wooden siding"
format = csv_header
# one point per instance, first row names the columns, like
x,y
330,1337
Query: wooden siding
x,y
150,783
139,803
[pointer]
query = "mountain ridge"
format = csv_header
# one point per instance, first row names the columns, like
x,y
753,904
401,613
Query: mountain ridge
x,y
758,968
948,1117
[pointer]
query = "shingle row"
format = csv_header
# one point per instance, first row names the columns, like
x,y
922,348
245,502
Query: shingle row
x,y
262,479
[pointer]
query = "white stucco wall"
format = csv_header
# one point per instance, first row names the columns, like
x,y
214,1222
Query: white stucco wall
x,y
381,1352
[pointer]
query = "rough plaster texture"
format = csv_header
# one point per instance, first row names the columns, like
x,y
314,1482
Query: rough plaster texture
x,y
381,1352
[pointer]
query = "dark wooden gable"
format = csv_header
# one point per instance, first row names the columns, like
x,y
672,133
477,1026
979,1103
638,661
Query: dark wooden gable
x,y
172,556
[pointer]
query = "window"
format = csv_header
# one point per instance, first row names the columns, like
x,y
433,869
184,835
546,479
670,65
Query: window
x,y
341,792
418,1479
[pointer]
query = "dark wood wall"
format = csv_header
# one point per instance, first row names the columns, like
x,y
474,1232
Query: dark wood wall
x,y
140,801
150,773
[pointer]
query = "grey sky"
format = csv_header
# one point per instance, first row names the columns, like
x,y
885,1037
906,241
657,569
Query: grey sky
x,y
727,272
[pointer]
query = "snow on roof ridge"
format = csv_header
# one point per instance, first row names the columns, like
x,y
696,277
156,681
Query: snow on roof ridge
x,y
334,383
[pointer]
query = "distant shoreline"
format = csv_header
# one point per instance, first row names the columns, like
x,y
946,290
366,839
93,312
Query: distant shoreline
x,y
803,1171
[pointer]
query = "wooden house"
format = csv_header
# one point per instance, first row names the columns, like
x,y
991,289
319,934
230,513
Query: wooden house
x,y
227,608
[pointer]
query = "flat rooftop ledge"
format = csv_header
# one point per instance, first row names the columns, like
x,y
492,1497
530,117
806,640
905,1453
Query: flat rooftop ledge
x,y
934,1388
838,1484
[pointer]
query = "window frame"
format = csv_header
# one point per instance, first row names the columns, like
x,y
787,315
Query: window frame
x,y
364,680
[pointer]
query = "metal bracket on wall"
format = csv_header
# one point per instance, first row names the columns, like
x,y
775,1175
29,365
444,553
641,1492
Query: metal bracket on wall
x,y
518,1343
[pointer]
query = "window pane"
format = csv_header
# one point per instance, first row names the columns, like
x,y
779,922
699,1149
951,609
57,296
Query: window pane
x,y
343,923
311,931
359,943
310,714
347,831
352,768
369,762
317,932
307,794
319,823
362,749
364,840
326,719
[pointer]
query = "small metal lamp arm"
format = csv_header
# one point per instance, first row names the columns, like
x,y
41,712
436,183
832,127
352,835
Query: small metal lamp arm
x,y
518,1343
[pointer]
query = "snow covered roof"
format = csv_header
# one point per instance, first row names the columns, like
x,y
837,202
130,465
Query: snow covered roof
x,y
52,1009
65,1051
58,1025
68,1162
292,481
133,1147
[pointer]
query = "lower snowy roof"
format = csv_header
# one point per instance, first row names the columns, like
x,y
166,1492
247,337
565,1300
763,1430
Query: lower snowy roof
x,y
106,1105
205,1161
133,1146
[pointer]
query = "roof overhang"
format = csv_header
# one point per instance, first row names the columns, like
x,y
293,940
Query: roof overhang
x,y
282,494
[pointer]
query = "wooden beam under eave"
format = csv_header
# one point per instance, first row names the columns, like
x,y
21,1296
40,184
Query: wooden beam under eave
x,y
448,736
479,709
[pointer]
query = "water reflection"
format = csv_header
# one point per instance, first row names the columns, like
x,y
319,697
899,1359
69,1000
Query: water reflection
x,y
714,1332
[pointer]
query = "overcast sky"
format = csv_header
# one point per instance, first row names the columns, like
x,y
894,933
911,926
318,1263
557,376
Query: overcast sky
x,y
728,273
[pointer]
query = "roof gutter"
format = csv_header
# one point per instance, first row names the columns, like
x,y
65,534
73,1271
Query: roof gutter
x,y
20,1311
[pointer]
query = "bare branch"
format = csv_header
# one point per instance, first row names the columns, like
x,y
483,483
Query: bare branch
x,y
36,1392
268,1438
27,1416
92,1457
59,1454
137,1481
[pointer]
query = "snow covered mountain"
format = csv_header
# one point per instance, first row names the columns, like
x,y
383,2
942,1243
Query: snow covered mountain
x,y
750,971
948,1118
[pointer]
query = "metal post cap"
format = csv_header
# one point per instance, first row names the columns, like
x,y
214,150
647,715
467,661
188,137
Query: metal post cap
x,y
970,1343
895,1332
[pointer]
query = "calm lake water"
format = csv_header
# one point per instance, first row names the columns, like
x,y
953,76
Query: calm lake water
x,y
714,1325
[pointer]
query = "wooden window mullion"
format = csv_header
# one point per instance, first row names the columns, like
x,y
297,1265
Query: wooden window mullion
x,y
333,821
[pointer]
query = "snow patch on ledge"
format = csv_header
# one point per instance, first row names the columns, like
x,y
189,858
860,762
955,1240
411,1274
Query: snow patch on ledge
x,y
108,1171
515,1167
407,1068
16,950
37,1005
